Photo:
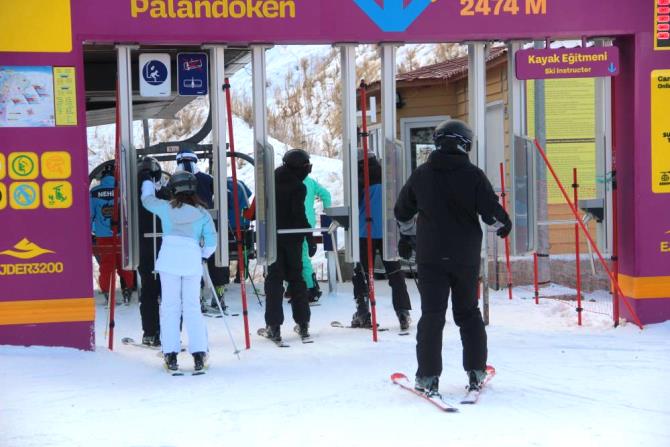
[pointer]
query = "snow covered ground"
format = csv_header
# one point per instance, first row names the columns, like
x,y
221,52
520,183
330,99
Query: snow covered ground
x,y
557,385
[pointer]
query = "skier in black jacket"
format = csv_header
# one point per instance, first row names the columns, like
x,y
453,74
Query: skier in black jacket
x,y
151,286
448,194
290,194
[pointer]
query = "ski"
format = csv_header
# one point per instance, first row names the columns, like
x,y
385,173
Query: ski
x,y
263,333
403,382
129,341
337,324
305,340
471,397
173,373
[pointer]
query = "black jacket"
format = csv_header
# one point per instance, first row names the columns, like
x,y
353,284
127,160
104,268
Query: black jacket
x,y
449,193
290,195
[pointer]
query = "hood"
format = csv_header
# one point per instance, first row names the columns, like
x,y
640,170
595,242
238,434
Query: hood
x,y
286,175
449,161
185,215
107,181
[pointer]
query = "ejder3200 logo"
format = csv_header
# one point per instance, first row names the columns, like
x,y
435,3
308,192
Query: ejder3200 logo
x,y
24,249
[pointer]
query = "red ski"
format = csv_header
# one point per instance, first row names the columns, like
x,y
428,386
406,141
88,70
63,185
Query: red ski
x,y
403,382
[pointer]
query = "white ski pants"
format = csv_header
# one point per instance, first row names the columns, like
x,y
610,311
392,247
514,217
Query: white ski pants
x,y
181,295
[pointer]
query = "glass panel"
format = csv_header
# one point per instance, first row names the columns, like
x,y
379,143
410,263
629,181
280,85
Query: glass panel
x,y
523,208
421,144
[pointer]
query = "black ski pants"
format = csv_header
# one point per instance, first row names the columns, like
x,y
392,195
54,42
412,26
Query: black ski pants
x,y
150,293
436,282
394,274
287,267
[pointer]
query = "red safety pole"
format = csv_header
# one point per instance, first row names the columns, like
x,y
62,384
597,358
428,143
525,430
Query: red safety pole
x,y
236,203
368,211
536,285
578,273
615,213
636,320
115,222
503,197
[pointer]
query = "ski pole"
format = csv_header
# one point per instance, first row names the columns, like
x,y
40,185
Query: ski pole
x,y
236,207
368,211
208,283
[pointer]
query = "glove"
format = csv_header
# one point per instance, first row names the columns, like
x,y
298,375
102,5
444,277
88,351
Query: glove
x,y
406,245
145,174
311,246
505,230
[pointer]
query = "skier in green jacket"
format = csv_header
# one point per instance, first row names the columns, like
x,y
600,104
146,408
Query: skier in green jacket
x,y
314,189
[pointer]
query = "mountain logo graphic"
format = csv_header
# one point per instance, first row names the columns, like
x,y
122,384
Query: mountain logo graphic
x,y
25,249
393,16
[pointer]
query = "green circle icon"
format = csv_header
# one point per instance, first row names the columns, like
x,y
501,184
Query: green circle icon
x,y
23,165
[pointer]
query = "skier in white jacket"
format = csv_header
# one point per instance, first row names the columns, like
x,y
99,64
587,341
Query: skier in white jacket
x,y
189,237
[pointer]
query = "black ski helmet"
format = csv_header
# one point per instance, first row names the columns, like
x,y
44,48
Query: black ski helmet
x,y
183,182
107,169
150,164
361,155
297,160
453,134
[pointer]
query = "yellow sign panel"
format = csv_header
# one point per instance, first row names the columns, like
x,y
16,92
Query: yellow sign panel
x,y
65,95
660,131
23,165
3,196
24,195
56,165
35,26
3,165
57,195
571,129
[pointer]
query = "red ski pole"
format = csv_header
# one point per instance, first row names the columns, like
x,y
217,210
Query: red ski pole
x,y
368,211
503,197
238,230
633,314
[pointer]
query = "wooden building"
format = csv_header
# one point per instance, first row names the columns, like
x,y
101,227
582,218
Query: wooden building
x,y
433,93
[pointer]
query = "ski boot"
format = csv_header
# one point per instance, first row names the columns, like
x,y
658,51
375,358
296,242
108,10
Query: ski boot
x,y
475,379
404,319
219,291
171,361
362,317
303,330
127,294
273,333
199,361
427,384
151,340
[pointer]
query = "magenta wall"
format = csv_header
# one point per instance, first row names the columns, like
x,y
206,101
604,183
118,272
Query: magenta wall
x,y
644,216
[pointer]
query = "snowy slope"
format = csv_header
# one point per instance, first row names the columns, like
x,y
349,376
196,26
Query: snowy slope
x,y
557,385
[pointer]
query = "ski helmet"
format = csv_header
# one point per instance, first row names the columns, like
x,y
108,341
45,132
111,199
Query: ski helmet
x,y
150,164
296,159
453,134
107,169
188,159
183,182
361,155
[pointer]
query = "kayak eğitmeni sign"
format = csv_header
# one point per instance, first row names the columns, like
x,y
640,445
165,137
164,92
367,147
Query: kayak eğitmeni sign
x,y
567,63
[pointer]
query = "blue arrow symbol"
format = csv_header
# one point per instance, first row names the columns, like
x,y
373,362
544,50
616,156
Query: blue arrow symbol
x,y
612,68
393,16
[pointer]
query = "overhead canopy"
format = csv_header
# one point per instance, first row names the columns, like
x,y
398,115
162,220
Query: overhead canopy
x,y
100,79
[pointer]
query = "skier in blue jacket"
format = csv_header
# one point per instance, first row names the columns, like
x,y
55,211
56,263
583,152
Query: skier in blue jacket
x,y
185,222
394,274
